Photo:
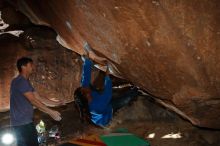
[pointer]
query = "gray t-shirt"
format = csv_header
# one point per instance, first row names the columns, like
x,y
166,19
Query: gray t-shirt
x,y
21,110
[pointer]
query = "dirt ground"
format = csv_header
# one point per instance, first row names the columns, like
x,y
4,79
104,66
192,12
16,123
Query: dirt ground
x,y
143,118
161,122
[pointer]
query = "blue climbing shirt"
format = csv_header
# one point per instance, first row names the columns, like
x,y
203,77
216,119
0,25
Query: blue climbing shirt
x,y
100,107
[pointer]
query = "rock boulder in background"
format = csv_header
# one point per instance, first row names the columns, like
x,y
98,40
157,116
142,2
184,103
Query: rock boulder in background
x,y
169,48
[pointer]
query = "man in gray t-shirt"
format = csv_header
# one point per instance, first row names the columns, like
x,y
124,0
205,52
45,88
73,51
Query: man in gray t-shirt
x,y
22,99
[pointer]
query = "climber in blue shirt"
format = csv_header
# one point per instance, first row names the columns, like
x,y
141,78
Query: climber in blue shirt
x,y
94,105
98,103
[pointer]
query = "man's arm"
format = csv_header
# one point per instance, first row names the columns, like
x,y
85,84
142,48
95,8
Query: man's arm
x,y
86,72
31,97
47,102
108,84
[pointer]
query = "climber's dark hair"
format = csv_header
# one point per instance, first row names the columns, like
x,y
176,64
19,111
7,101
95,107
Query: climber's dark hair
x,y
81,103
23,62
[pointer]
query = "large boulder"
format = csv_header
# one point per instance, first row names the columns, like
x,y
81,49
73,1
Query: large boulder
x,y
57,70
169,48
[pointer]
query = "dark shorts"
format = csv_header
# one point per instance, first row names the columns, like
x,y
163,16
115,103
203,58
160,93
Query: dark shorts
x,y
26,135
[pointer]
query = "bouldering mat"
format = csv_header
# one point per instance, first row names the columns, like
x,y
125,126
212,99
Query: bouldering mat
x,y
123,139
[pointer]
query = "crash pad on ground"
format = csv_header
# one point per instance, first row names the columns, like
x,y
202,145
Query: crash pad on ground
x,y
122,139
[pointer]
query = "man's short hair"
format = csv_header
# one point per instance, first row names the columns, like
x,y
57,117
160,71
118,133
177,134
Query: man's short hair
x,y
23,62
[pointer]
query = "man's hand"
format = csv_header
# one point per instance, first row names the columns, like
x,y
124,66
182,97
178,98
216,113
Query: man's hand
x,y
55,115
38,104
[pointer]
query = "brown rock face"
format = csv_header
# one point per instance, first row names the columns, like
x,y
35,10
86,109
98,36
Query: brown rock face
x,y
57,69
12,17
169,48
10,49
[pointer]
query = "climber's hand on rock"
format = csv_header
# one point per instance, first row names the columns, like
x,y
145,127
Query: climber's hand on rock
x,y
108,65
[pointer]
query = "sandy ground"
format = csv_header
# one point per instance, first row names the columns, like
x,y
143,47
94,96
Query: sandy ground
x,y
143,118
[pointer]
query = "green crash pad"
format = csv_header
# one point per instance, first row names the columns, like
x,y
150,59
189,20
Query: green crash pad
x,y
123,139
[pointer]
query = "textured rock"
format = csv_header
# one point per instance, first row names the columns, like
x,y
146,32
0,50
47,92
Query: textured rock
x,y
169,48
12,17
57,69
10,49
